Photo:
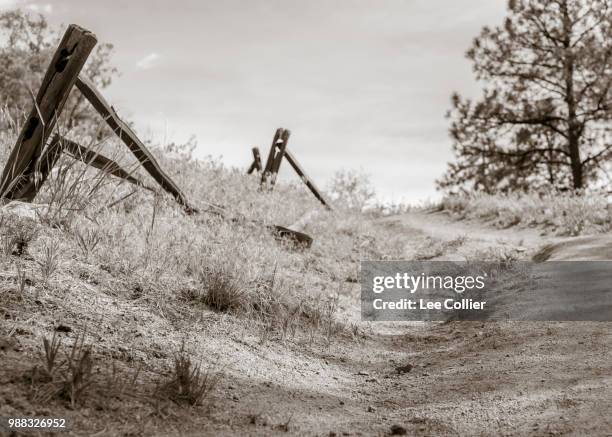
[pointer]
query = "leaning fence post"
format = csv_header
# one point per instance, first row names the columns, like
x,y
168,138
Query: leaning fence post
x,y
280,154
309,183
256,165
19,173
271,155
129,138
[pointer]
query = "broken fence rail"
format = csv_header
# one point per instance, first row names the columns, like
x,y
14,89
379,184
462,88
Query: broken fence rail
x,y
129,138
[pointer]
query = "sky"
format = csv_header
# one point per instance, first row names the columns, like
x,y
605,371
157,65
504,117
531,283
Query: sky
x,y
362,85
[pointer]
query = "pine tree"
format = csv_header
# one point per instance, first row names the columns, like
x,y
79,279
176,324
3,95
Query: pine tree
x,y
545,115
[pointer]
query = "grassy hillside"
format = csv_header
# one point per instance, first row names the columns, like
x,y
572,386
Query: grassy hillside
x,y
115,309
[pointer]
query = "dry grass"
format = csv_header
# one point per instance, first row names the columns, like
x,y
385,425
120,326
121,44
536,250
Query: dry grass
x,y
70,378
188,383
559,213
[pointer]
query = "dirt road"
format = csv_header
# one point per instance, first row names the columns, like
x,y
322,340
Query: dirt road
x,y
461,378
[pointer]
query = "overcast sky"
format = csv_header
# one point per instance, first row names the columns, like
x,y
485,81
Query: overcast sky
x,y
360,84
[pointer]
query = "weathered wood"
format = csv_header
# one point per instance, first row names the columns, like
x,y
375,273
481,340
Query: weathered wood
x,y
18,177
130,139
99,161
268,168
257,158
298,238
309,183
256,165
280,154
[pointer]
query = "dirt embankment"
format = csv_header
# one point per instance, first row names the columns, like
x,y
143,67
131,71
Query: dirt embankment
x,y
459,378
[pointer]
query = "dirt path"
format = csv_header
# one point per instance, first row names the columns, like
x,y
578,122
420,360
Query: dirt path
x,y
463,378
495,378
463,239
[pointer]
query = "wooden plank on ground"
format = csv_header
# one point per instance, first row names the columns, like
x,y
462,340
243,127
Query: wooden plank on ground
x,y
309,183
130,139
19,175
298,238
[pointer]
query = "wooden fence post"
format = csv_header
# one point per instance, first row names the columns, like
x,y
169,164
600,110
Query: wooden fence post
x,y
256,165
19,175
280,154
271,155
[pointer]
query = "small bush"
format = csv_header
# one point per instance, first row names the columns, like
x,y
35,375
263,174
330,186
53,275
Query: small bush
x,y
51,349
16,234
351,189
223,291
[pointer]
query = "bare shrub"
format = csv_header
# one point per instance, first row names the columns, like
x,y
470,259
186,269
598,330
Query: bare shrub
x,y
351,189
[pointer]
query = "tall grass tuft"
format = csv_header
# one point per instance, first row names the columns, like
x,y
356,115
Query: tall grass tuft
x,y
188,383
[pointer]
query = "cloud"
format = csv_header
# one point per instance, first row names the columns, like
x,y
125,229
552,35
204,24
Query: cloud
x,y
46,8
40,7
7,4
148,61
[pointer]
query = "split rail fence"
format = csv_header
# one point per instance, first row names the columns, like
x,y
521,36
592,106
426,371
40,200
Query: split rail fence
x,y
278,152
36,152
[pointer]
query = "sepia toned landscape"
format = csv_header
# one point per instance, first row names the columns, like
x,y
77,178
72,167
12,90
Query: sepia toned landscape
x,y
149,289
